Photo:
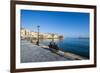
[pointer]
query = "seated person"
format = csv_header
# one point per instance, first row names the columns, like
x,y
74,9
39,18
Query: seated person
x,y
53,46
56,47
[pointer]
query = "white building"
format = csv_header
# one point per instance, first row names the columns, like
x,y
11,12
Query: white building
x,y
25,33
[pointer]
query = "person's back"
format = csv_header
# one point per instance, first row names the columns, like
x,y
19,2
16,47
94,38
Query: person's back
x,y
56,47
50,45
53,46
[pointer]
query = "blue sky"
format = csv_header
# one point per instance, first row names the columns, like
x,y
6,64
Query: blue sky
x,y
69,24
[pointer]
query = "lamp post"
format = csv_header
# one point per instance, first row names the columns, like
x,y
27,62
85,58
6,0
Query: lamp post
x,y
38,35
52,37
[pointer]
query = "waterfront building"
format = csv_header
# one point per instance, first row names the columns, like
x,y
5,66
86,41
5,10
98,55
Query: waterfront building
x,y
27,34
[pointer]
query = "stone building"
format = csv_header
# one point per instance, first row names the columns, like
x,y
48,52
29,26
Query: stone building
x,y
27,34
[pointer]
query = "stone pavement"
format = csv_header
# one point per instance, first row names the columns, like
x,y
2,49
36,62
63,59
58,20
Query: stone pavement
x,y
34,53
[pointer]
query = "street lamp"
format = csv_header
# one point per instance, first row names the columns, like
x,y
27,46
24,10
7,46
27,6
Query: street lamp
x,y
38,35
52,37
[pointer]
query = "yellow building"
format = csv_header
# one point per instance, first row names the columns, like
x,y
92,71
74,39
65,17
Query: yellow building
x,y
27,34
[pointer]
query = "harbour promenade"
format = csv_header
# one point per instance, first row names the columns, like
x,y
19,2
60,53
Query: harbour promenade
x,y
34,53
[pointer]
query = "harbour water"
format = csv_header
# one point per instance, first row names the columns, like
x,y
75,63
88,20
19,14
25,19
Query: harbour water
x,y
79,46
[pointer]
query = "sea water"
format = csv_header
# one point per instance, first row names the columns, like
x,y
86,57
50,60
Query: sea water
x,y
79,46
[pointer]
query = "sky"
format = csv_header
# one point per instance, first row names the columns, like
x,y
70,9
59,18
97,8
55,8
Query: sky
x,y
68,24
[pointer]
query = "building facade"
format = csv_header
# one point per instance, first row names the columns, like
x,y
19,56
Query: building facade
x,y
27,34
